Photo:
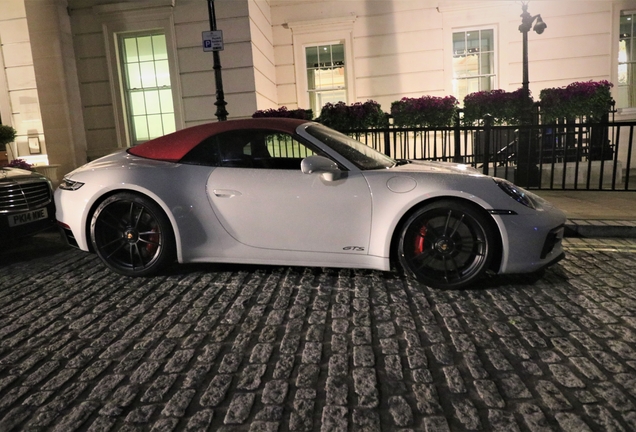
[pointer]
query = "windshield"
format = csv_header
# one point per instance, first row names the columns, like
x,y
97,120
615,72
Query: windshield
x,y
361,155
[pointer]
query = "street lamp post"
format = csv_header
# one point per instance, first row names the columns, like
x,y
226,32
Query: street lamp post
x,y
221,112
526,24
526,167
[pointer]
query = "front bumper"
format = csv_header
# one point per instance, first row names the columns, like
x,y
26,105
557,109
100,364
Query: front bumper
x,y
23,230
535,241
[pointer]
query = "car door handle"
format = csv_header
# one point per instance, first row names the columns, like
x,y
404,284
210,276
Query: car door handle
x,y
226,193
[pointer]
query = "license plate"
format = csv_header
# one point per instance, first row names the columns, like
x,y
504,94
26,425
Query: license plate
x,y
28,217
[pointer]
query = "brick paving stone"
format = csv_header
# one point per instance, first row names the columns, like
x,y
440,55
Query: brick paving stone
x,y
400,411
489,393
337,391
275,392
217,390
564,376
159,388
427,399
334,419
366,420
502,421
534,417
301,418
467,414
365,386
307,376
552,396
436,424
239,408
250,378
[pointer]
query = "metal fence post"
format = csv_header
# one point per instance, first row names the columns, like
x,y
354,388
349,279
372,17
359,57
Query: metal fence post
x,y
457,158
487,138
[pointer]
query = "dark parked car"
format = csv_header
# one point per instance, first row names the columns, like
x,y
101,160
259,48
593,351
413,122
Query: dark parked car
x,y
26,203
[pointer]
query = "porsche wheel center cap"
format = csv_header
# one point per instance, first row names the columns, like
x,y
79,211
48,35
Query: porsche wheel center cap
x,y
130,235
444,246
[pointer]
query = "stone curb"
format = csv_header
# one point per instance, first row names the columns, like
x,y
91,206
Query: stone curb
x,y
593,228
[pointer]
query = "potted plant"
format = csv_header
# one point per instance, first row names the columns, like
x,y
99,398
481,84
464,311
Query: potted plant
x,y
299,113
504,107
20,163
590,100
425,111
7,134
360,115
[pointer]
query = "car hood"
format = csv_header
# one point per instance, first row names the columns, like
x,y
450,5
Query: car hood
x,y
10,174
430,166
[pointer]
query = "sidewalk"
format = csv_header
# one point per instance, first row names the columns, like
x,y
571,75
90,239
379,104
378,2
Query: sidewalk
x,y
594,213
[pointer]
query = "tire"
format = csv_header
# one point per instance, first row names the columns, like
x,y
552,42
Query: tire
x,y
446,244
132,235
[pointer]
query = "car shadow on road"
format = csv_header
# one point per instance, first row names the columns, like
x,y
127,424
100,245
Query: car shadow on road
x,y
551,275
40,245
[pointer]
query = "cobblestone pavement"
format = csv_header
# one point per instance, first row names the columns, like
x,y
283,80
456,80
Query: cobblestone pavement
x,y
241,348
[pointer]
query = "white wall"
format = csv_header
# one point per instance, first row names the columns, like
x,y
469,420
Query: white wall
x,y
197,74
19,102
57,84
263,56
404,47
39,95
194,81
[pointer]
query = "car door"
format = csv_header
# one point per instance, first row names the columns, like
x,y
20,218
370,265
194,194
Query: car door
x,y
263,200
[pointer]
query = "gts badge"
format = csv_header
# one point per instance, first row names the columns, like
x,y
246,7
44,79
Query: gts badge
x,y
353,248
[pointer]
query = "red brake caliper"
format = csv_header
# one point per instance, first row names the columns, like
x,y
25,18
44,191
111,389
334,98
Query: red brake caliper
x,y
153,238
419,241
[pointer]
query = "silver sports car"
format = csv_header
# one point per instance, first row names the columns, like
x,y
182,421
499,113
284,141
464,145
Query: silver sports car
x,y
292,192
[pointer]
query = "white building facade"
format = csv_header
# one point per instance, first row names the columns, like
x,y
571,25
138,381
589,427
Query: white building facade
x,y
86,77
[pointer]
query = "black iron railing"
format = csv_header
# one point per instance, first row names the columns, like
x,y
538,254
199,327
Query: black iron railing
x,y
571,156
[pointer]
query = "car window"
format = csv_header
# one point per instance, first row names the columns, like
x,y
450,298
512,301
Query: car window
x,y
361,155
250,149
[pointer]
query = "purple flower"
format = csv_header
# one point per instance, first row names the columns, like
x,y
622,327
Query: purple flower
x,y
591,99
20,163
424,111
285,113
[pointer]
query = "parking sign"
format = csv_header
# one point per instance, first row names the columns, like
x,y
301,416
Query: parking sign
x,y
212,40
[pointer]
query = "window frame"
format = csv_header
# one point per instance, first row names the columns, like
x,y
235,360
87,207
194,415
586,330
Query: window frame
x,y
322,32
495,69
630,63
118,19
317,91
128,92
618,8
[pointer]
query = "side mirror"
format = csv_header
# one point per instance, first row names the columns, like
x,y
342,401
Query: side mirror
x,y
319,164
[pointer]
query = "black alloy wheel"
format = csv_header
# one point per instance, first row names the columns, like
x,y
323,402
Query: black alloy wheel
x,y
446,244
132,235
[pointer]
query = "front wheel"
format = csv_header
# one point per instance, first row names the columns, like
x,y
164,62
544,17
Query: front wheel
x,y
446,244
132,235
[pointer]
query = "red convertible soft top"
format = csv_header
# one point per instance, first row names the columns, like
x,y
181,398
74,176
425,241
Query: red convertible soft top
x,y
173,147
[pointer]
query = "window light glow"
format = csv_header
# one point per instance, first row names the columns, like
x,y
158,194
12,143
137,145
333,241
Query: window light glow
x,y
147,86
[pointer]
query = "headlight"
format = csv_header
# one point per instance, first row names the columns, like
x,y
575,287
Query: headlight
x,y
68,184
515,192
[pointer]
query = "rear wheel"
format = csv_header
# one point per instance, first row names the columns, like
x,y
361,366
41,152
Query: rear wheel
x,y
132,235
446,244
